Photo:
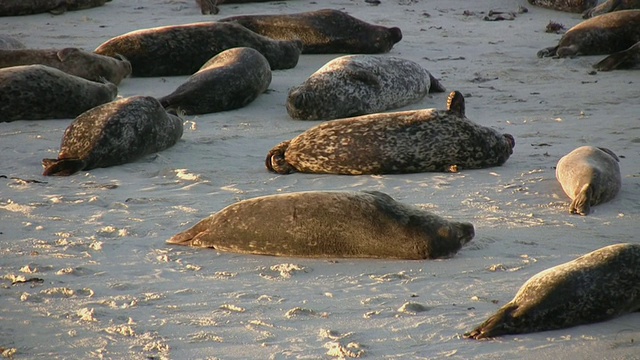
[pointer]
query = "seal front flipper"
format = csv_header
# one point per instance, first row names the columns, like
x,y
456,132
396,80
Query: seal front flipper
x,y
582,203
547,52
62,167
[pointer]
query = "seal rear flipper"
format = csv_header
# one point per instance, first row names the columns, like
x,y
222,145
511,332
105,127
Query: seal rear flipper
x,y
276,161
455,103
547,52
625,59
436,85
62,167
496,325
582,203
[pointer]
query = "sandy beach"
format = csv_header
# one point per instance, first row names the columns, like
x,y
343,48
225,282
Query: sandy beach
x,y
103,284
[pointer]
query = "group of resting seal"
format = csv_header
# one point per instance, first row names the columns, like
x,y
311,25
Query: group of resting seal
x,y
588,8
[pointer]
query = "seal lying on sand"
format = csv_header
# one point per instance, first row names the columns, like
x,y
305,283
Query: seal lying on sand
x,y
626,59
598,286
56,7
73,61
9,43
230,80
326,224
589,176
183,49
113,134
360,84
324,31
611,6
35,92
601,35
208,7
389,143
574,6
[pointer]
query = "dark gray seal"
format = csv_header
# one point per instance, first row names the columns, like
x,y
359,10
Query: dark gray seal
x,y
324,31
325,224
113,134
601,35
595,287
9,43
183,49
574,6
56,7
208,7
391,143
73,61
589,176
611,6
625,59
230,80
360,84
36,92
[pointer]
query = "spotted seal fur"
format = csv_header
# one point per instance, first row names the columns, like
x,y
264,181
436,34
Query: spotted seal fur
x,y
360,84
56,7
611,6
113,134
399,142
574,6
598,286
326,224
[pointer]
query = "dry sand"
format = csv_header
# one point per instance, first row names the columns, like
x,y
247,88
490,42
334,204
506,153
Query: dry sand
x,y
113,289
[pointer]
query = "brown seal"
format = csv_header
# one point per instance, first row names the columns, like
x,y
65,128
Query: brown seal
x,y
183,49
326,224
597,286
230,80
574,6
611,6
208,7
114,134
9,43
35,92
324,31
56,7
73,61
625,59
589,176
391,143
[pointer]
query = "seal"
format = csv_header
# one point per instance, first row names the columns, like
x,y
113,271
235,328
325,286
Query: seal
x,y
329,224
610,6
598,286
56,7
601,35
208,7
183,49
391,143
325,31
113,134
36,92
73,61
230,80
9,43
626,59
574,6
360,84
589,176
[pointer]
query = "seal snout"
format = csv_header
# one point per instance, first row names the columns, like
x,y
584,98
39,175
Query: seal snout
x,y
511,140
467,232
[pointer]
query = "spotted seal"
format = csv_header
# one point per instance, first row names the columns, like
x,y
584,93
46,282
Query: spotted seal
x,y
610,6
325,31
360,84
574,6
595,287
390,143
56,7
183,49
73,61
230,80
113,134
601,35
326,224
625,59
208,7
35,92
9,43
589,176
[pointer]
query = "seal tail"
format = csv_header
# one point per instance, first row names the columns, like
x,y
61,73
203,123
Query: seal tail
x,y
496,325
436,85
275,160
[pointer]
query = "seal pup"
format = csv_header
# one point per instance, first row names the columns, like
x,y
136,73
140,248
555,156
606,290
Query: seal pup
x,y
36,92
9,43
114,134
610,6
56,7
601,35
589,176
598,286
183,49
354,85
230,80
574,6
391,143
626,59
325,31
73,61
326,224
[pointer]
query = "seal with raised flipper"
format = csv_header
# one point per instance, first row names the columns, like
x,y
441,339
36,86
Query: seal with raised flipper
x,y
355,85
113,134
574,6
56,7
611,6
329,224
589,176
397,142
597,286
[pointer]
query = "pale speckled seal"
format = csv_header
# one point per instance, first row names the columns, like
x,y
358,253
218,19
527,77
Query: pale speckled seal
x,y
56,7
73,61
589,176
230,80
601,35
35,92
9,43
625,59
574,6
325,224
183,49
114,134
611,6
595,287
208,7
326,31
360,84
399,142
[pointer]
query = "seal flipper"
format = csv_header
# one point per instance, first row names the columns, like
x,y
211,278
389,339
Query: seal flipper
x,y
582,203
276,161
436,85
547,52
455,103
62,167
498,324
629,58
